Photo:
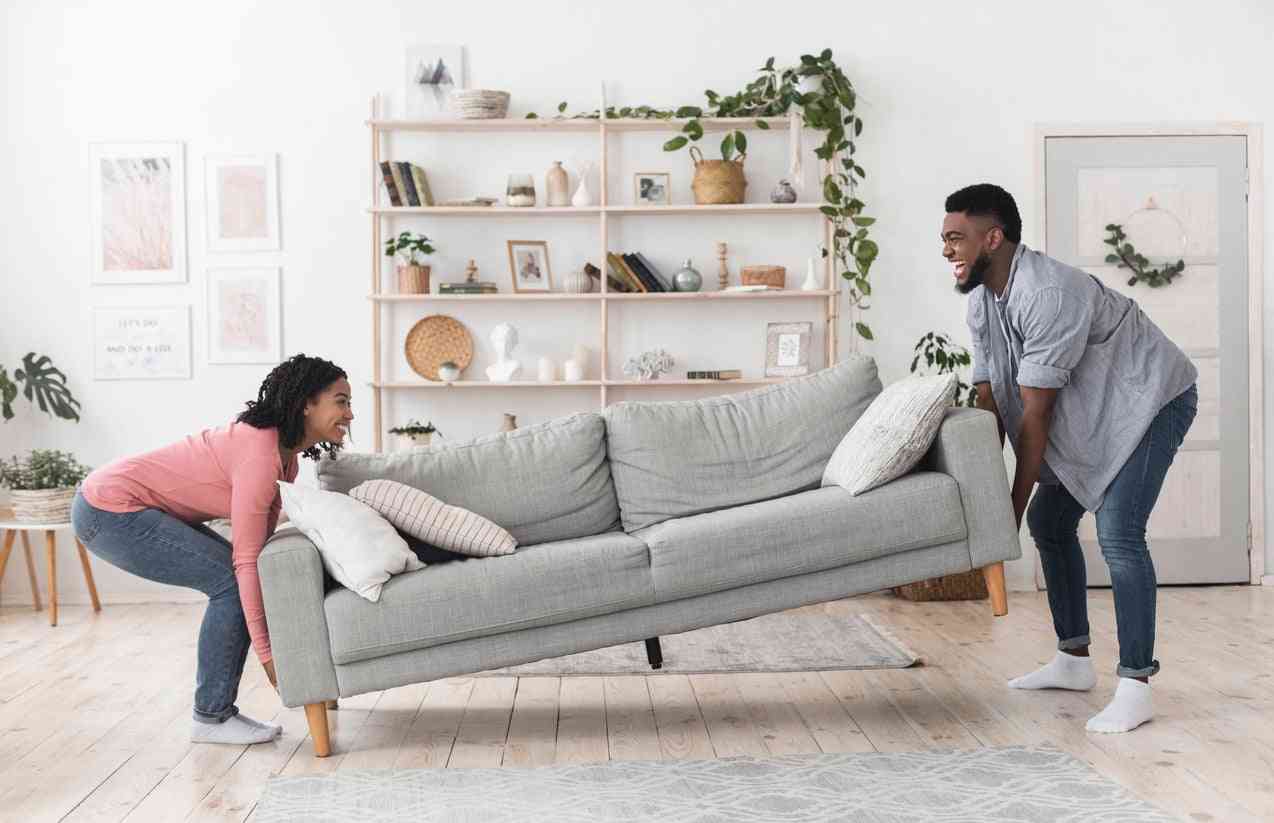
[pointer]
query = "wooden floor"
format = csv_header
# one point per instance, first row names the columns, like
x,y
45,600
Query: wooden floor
x,y
95,714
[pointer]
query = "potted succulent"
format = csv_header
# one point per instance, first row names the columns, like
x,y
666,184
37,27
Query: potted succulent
x,y
415,433
413,274
42,486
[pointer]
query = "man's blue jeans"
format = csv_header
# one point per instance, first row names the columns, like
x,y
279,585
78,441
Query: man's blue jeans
x,y
158,546
1053,518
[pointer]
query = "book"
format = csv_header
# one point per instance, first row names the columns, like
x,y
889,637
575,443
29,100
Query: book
x,y
468,288
634,263
409,185
398,182
621,271
720,374
658,275
390,187
612,284
422,185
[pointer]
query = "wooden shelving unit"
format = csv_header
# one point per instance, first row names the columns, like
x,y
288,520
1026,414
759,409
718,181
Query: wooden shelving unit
x,y
602,213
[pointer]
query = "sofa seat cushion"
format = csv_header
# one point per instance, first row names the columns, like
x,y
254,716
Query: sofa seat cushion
x,y
535,586
806,532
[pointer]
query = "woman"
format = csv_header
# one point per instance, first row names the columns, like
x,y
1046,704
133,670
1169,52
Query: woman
x,y
145,515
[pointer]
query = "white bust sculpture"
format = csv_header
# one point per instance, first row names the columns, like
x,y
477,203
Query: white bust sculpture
x,y
504,338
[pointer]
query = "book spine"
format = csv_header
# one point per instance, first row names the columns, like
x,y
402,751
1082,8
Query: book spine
x,y
621,271
387,173
656,273
404,172
634,263
398,181
422,185
722,374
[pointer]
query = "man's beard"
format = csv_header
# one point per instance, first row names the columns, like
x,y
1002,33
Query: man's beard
x,y
977,273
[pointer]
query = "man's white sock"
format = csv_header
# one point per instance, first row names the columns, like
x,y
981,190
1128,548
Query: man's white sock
x,y
1131,707
237,730
1065,671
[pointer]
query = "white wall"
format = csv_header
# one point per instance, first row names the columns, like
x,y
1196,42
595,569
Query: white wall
x,y
949,95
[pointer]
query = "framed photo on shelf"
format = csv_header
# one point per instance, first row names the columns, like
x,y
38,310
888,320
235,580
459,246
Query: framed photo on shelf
x,y
243,202
529,266
651,188
138,207
244,314
787,349
150,343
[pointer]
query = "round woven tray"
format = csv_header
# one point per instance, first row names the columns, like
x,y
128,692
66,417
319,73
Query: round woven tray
x,y
436,339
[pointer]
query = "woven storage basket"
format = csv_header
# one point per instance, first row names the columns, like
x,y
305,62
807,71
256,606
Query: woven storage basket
x,y
775,276
970,585
42,505
717,182
413,279
435,340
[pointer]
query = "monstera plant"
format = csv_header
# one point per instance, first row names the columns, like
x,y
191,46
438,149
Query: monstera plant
x,y
41,383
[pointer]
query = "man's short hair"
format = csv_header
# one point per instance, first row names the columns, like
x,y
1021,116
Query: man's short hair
x,y
988,200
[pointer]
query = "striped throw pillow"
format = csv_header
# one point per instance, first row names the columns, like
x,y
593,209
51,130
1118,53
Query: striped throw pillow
x,y
426,517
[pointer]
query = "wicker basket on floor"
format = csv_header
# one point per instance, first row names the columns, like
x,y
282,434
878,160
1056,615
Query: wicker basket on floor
x,y
970,585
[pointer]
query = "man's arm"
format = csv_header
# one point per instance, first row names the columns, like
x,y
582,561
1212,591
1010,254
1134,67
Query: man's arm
x,y
986,402
1037,416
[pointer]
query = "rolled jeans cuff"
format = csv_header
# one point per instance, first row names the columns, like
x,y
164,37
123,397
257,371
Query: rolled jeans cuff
x,y
1073,643
1149,671
222,717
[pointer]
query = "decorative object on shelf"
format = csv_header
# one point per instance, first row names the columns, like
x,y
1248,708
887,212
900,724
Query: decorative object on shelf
x,y
413,274
484,287
435,340
787,349
1157,222
649,365
715,374
546,370
151,343
448,372
578,282
529,266
242,193
416,433
943,356
773,276
718,182
504,338
613,284
509,423
480,104
432,73
471,271
244,315
471,202
138,208
557,185
751,289
687,278
723,271
520,192
45,387
582,197
783,193
572,372
42,486
812,280
580,355
652,188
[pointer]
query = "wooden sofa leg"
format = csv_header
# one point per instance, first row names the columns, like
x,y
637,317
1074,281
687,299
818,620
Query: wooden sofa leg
x,y
316,716
654,653
994,576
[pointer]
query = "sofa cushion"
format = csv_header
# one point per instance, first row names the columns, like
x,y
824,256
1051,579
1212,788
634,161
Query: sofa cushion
x,y
806,532
426,517
673,459
535,586
550,481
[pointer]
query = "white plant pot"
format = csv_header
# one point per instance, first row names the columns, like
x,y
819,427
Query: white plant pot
x,y
42,505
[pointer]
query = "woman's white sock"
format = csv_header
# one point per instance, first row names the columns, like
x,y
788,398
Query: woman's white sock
x,y
1131,707
1065,671
237,730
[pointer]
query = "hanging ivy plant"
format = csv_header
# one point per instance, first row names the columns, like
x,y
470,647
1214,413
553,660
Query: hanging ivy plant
x,y
946,357
1127,257
829,108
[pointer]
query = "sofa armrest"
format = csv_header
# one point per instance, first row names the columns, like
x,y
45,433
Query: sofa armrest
x,y
291,574
968,449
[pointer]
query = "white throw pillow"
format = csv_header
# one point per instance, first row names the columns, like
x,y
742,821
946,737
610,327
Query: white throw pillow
x,y
892,435
433,521
359,548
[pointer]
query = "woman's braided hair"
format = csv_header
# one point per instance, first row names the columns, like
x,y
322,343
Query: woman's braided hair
x,y
281,401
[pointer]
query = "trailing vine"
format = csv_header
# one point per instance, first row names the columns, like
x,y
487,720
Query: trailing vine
x,y
1127,257
940,352
828,108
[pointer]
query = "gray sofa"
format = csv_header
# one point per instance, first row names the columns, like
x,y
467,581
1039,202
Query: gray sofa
x,y
647,519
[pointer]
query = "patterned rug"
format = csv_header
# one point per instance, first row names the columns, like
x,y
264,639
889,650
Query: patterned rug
x,y
799,640
1026,784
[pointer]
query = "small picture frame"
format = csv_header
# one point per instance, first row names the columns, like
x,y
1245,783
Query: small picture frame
x,y
529,266
242,192
651,188
787,349
244,314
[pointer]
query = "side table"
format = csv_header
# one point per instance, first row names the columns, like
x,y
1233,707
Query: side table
x,y
13,528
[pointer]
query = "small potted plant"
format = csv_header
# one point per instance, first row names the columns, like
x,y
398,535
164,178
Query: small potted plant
x,y
415,433
413,274
42,486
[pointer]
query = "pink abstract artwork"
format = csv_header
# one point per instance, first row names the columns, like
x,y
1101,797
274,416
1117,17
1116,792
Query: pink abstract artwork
x,y
243,308
243,201
137,213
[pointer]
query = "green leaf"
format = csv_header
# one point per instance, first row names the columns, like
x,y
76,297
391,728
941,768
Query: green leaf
x,y
867,250
864,285
727,147
689,111
762,125
864,331
858,126
46,386
769,64
561,107
826,55
864,221
828,210
530,115
741,142
694,128
8,392
831,191
1111,258
675,143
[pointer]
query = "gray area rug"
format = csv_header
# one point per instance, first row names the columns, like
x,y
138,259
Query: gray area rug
x,y
1027,784
798,640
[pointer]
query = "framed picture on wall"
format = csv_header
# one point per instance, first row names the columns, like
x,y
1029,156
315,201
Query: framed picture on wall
x,y
244,315
651,188
242,194
137,203
432,71
529,266
150,343
787,349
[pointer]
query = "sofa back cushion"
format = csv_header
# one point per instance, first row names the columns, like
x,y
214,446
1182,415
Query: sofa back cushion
x,y
545,482
672,459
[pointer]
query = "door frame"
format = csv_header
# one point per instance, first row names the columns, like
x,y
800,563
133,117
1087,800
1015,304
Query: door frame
x,y
1253,133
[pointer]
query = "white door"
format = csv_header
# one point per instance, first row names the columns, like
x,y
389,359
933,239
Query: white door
x,y
1176,198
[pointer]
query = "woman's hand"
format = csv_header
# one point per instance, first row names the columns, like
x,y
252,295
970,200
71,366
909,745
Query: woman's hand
x,y
270,675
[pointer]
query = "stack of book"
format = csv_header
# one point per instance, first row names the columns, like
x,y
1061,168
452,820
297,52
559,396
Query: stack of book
x,y
720,374
406,184
476,287
637,273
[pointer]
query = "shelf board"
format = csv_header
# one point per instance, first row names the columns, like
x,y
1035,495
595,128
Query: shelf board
x,y
786,294
498,296
747,208
535,384
584,211
507,124
655,384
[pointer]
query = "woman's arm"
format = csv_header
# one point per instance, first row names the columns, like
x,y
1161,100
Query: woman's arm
x,y
254,501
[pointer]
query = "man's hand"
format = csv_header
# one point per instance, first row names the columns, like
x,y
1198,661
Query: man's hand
x,y
1037,417
270,675
986,402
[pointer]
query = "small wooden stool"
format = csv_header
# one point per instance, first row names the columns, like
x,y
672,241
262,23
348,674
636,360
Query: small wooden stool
x,y
12,528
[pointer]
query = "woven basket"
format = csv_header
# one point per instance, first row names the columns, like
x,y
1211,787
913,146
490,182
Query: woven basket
x,y
435,340
717,182
775,276
970,585
42,505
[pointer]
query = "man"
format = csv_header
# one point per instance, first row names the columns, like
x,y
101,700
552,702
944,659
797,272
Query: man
x,y
1096,400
